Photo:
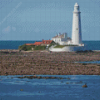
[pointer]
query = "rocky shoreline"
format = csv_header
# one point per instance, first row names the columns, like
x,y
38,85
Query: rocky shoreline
x,y
14,62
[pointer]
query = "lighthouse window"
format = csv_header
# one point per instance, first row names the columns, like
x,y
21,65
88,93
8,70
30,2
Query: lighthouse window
x,y
76,28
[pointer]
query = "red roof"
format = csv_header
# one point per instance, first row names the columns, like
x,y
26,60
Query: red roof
x,y
37,43
29,44
46,41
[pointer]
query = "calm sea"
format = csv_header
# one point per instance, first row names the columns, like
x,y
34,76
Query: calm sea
x,y
90,45
13,88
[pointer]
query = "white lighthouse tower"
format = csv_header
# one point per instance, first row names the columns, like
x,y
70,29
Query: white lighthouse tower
x,y
76,26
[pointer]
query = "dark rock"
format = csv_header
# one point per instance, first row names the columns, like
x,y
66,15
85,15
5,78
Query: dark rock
x,y
40,77
84,86
21,89
68,78
67,82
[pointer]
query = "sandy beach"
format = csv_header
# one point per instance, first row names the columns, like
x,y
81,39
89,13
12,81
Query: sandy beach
x,y
13,62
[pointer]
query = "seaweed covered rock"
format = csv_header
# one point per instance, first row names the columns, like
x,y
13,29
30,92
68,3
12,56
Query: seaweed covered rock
x,y
84,86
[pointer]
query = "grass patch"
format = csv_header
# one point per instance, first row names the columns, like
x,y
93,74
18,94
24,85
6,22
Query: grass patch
x,y
70,45
40,48
26,47
29,47
59,46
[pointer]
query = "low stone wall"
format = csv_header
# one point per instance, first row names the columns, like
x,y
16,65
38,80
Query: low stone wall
x,y
67,49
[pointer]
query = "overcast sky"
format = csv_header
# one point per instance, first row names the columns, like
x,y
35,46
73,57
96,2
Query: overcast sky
x,y
43,19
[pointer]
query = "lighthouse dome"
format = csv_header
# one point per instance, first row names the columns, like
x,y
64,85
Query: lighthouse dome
x,y
76,4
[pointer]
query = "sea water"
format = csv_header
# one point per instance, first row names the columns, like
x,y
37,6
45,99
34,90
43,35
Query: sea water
x,y
12,44
89,62
89,45
70,88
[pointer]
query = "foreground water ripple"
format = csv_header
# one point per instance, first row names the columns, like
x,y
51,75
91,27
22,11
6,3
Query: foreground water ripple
x,y
14,88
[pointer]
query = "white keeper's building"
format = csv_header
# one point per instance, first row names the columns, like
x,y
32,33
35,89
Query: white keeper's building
x,y
62,39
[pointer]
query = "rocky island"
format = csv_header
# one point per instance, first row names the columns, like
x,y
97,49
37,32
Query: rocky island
x,y
43,62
